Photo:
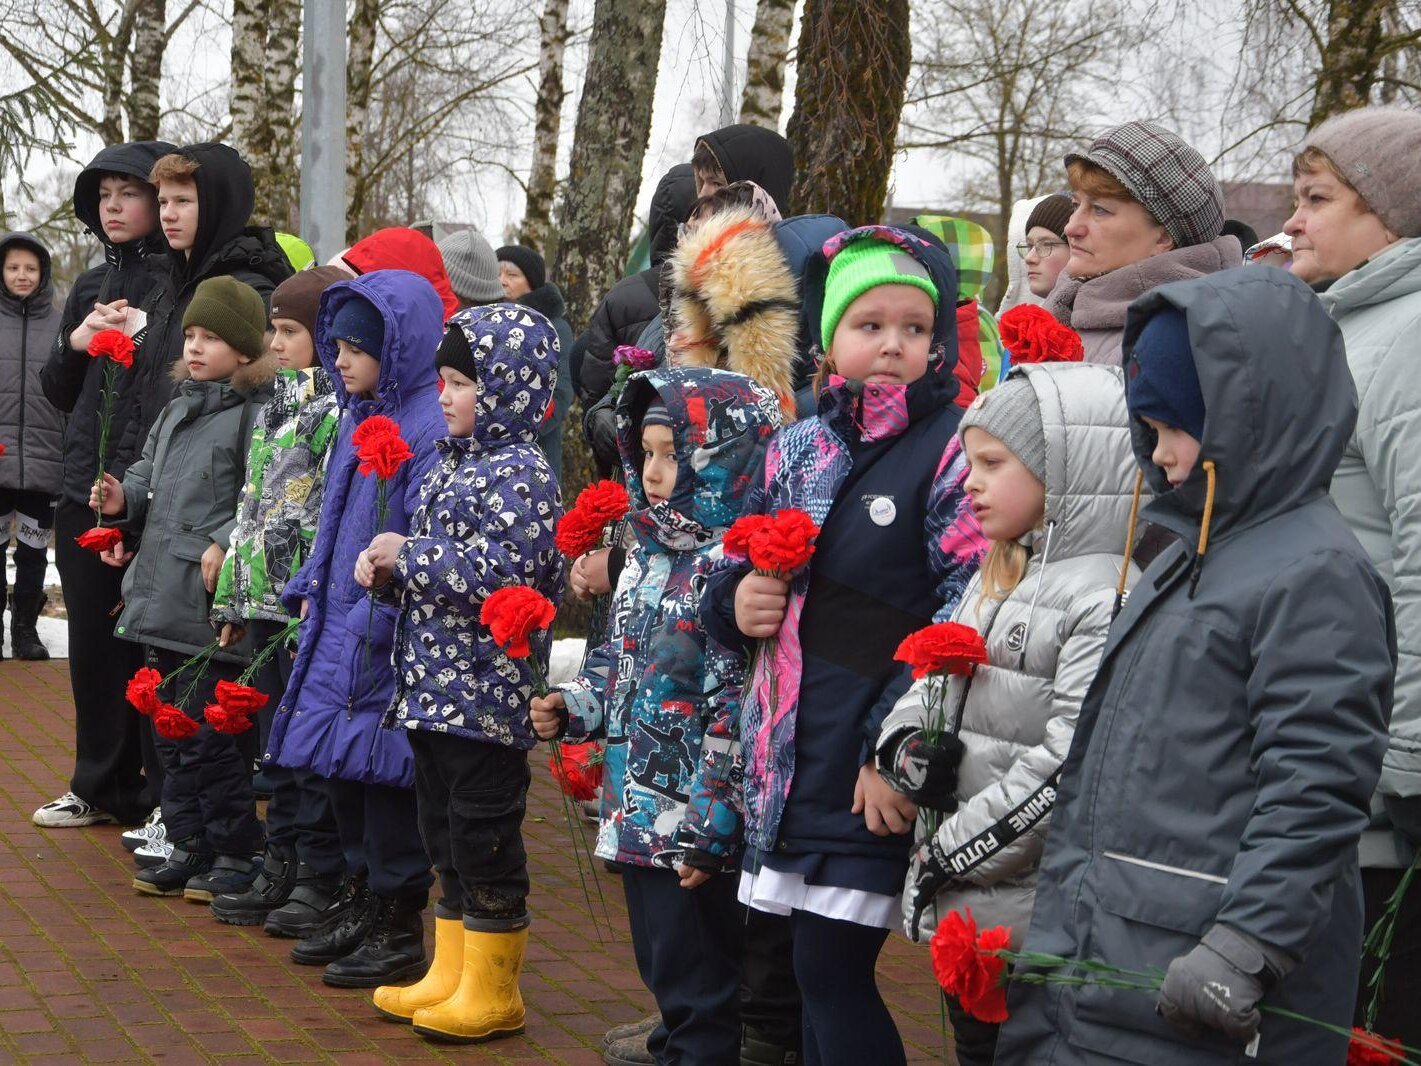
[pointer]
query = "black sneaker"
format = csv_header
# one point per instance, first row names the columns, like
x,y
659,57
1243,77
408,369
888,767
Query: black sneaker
x,y
392,952
230,874
188,860
315,905
348,935
270,890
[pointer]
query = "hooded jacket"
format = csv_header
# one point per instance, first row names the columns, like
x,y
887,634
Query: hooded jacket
x,y
1378,483
801,239
1017,290
402,248
225,245
632,303
547,300
1227,749
181,496
753,153
1095,308
880,471
483,520
31,430
341,682
664,699
979,342
71,379
1015,716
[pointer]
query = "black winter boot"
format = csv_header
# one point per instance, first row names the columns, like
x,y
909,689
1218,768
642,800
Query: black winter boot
x,y
190,858
270,890
347,935
24,635
315,905
392,952
229,874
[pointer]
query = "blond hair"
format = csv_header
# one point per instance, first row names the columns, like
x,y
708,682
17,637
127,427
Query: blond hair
x,y
1002,570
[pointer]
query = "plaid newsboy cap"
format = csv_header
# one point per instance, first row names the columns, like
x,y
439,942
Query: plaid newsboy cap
x,y
1165,174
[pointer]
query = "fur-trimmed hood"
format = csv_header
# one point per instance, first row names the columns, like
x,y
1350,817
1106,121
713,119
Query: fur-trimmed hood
x,y
734,295
246,379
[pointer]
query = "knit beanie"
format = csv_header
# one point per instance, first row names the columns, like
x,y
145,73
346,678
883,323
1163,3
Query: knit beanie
x,y
656,414
231,309
455,353
1051,213
1011,413
471,266
1376,149
299,296
1166,175
1163,382
526,260
359,322
858,267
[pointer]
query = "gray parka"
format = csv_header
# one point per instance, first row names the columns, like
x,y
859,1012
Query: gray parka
x,y
1226,752
31,430
182,497
1018,713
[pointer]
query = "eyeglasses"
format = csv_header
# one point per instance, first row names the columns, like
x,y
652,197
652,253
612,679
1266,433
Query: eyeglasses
x,y
1044,249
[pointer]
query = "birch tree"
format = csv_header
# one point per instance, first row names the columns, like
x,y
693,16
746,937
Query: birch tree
x,y
763,98
266,37
547,123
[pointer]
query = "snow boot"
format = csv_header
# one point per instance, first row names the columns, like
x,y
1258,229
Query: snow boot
x,y
316,904
392,951
24,634
270,890
347,934
188,860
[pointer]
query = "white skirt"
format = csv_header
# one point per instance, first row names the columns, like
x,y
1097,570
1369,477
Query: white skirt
x,y
779,892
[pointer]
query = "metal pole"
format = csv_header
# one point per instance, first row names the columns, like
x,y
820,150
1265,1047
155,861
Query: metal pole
x,y
728,108
323,126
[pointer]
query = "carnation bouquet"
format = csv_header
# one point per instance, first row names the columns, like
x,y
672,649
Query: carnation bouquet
x,y
115,348
381,451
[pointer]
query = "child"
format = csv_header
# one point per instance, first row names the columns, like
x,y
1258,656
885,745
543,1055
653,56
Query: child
x,y
979,342
484,521
376,337
276,523
745,152
1209,810
181,496
1050,479
661,696
879,472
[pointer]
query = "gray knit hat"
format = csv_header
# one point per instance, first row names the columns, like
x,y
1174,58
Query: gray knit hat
x,y
1165,174
1011,413
471,266
1377,150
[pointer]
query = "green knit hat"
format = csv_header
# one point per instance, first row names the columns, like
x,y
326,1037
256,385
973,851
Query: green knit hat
x,y
858,267
231,309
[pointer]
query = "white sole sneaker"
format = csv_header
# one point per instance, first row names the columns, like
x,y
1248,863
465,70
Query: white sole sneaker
x,y
69,812
153,854
150,832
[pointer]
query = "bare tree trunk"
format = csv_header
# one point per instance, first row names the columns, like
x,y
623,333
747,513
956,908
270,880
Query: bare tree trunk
x,y
359,62
763,97
277,189
113,52
145,68
248,107
543,177
1352,56
845,123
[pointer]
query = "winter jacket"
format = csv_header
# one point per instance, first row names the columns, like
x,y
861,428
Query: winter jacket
x,y
801,238
752,153
547,300
632,303
483,520
880,471
979,349
1227,749
72,380
225,245
281,501
1016,714
402,248
664,700
341,682
181,496
1095,308
31,430
1378,483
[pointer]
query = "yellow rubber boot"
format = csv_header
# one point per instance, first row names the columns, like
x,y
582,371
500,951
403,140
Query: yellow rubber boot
x,y
487,1003
399,1002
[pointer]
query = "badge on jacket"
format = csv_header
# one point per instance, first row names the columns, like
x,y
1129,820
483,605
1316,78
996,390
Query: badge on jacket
x,y
881,510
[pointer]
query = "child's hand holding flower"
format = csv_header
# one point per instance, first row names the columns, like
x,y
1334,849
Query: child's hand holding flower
x,y
760,602
376,564
114,503
547,722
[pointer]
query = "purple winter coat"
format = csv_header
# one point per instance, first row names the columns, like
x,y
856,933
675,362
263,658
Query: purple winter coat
x,y
329,718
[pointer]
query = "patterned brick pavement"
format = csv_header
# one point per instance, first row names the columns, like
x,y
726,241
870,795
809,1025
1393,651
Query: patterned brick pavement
x,y
91,972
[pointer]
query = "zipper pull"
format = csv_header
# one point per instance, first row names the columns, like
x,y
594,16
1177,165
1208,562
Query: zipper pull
x,y
349,707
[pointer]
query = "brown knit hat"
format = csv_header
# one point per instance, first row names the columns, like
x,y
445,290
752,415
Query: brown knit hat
x,y
1377,149
1051,213
299,296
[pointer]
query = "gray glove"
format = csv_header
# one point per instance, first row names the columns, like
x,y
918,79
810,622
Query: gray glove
x,y
1217,986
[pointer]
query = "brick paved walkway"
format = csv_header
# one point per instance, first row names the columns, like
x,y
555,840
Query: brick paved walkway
x,y
92,972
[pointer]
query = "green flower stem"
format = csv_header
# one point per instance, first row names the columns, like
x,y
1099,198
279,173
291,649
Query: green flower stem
x,y
1379,938
268,650
105,420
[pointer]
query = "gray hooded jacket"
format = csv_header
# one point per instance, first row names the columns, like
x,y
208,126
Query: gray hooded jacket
x,y
1228,747
31,430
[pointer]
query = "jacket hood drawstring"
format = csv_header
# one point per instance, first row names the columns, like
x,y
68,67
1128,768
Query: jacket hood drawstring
x,y
1129,542
1198,566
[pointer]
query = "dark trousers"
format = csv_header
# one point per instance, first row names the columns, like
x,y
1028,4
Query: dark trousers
x,y
472,798
113,743
379,834
687,947
27,517
769,994
207,782
845,1018
1398,1016
299,814
974,1042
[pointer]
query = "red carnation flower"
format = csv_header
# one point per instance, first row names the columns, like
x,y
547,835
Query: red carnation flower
x,y
113,344
172,724
966,966
1369,1049
575,534
229,720
374,426
603,502
580,772
383,455
241,699
784,544
945,648
738,537
142,691
99,539
513,614
1033,335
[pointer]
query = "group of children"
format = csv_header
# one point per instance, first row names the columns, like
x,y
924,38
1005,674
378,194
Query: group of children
x,y
771,772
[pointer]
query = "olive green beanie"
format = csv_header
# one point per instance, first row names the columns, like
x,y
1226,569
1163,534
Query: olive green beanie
x,y
231,309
